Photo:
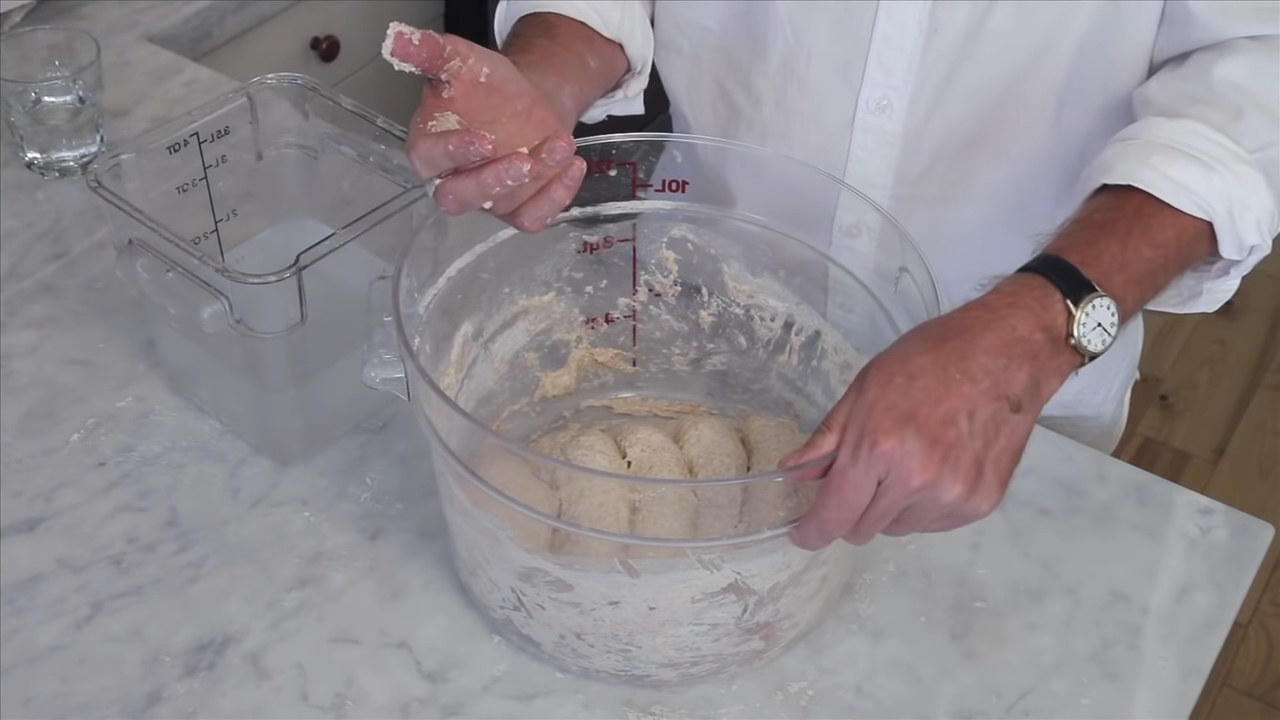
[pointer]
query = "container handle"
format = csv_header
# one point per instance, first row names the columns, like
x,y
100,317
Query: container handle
x,y
383,365
184,297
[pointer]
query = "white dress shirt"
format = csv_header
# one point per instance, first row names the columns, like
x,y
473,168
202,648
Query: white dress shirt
x,y
982,125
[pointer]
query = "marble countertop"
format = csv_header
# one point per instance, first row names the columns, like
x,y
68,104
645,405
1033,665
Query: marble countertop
x,y
152,566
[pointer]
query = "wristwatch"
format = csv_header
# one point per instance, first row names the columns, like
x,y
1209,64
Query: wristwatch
x,y
1095,316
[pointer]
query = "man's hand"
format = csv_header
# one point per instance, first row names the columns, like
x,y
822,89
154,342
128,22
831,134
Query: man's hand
x,y
492,137
495,129
929,433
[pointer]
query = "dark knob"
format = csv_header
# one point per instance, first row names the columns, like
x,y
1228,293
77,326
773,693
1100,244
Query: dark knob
x,y
326,48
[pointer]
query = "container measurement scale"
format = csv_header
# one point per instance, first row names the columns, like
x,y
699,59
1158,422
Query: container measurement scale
x,y
630,186
195,184
253,227
645,196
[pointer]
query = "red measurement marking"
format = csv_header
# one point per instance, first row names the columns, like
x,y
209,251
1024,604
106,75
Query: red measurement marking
x,y
635,292
667,186
673,186
608,242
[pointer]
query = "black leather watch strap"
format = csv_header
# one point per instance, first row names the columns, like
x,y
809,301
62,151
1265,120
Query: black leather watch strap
x,y
1074,285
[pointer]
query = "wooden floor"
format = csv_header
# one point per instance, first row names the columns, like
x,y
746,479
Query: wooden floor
x,y
1206,415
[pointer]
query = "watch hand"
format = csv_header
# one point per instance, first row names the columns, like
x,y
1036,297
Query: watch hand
x,y
1104,329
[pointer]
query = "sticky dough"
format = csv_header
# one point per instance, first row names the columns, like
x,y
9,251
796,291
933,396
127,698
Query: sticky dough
x,y
697,446
515,478
768,440
588,500
662,510
713,449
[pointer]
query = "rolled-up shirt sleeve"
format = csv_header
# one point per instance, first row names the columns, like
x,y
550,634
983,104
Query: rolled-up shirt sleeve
x,y
1206,138
626,22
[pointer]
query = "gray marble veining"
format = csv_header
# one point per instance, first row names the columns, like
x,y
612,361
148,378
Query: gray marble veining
x,y
152,566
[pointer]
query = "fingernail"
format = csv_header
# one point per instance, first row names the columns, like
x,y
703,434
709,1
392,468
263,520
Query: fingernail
x,y
477,149
546,221
443,199
573,174
557,152
516,173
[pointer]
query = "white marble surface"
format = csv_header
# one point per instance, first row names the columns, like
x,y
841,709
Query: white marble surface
x,y
151,566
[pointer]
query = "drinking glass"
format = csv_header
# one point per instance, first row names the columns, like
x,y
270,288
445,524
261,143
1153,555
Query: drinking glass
x,y
51,93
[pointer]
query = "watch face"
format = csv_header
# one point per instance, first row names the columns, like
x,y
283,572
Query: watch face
x,y
1097,324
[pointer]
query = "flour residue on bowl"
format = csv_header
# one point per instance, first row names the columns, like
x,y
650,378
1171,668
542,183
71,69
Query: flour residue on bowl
x,y
564,380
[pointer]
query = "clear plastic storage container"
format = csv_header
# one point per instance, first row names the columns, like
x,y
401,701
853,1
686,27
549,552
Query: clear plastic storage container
x,y
253,226
691,277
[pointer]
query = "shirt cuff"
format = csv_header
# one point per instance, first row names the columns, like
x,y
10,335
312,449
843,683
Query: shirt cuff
x,y
626,23
1204,174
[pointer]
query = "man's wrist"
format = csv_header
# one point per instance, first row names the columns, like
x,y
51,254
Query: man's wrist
x,y
1035,319
567,61
1128,242
565,108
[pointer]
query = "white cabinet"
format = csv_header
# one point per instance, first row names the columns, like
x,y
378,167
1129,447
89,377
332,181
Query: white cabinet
x,y
283,44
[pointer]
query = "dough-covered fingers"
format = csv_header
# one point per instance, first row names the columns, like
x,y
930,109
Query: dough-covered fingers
x,y
440,153
550,158
470,189
441,58
538,212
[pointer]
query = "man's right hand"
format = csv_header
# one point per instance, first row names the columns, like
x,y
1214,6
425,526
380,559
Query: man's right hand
x,y
491,138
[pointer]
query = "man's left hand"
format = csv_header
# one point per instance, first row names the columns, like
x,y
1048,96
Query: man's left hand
x,y
928,435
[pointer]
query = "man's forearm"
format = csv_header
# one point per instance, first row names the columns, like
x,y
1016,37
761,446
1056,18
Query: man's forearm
x,y
1130,243
569,62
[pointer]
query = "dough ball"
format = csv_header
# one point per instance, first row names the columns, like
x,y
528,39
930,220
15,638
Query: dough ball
x,y
651,453
553,442
768,440
587,499
516,478
712,448
594,449
694,447
663,510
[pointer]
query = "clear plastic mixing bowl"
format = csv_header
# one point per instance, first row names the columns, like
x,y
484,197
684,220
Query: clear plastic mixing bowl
x,y
690,274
